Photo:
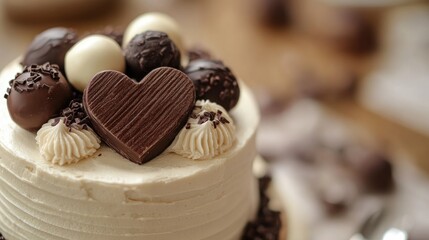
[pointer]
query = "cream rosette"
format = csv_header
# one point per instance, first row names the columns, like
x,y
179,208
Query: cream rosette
x,y
209,132
62,144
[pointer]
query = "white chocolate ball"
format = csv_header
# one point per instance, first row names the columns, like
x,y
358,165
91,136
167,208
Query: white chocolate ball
x,y
91,55
156,22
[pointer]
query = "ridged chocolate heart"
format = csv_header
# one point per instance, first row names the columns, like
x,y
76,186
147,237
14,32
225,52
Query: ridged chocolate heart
x,y
139,120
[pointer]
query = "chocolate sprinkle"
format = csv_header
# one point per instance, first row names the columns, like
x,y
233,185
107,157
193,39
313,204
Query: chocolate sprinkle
x,y
268,223
1,237
33,81
74,116
215,117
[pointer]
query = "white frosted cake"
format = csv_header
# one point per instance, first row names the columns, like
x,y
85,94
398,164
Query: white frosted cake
x,y
65,180
109,197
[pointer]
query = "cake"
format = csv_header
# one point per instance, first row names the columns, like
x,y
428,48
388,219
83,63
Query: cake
x,y
85,170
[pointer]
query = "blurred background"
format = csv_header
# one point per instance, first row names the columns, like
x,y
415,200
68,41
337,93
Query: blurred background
x,y
342,86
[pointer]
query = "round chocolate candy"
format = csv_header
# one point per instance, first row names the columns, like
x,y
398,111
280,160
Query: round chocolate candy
x,y
150,50
214,81
154,22
50,46
36,95
91,55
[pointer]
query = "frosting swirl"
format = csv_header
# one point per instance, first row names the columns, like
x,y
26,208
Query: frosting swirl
x,y
210,131
61,144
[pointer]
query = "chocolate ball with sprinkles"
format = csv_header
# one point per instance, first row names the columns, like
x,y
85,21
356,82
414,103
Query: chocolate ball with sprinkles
x,y
36,95
150,50
214,81
50,46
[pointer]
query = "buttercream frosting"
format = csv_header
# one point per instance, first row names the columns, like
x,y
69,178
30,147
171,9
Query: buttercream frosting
x,y
107,197
210,131
63,145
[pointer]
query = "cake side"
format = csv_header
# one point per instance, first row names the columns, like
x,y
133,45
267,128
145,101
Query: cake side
x,y
108,197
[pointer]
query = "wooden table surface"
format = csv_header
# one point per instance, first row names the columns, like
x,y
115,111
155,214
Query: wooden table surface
x,y
258,55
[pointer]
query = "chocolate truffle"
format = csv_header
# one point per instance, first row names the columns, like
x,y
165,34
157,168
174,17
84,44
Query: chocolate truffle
x,y
91,55
50,46
36,95
214,81
154,21
150,50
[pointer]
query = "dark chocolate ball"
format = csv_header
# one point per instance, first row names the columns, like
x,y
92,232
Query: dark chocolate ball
x,y
36,95
214,81
50,46
150,50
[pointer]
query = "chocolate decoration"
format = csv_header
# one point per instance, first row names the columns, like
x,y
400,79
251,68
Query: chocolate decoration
x,y
50,46
37,95
214,81
74,115
150,50
268,222
139,120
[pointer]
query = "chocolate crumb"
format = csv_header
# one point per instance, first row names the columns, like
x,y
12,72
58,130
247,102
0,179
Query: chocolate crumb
x,y
99,155
215,117
34,80
268,223
188,125
1,237
74,116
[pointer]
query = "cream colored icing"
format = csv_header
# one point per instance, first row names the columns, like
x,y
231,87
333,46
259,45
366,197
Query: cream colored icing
x,y
64,145
205,140
108,197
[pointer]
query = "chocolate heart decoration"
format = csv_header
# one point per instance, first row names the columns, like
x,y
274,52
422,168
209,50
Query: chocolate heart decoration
x,y
139,120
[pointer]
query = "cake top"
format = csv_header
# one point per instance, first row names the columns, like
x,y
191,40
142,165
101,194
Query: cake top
x,y
141,99
108,166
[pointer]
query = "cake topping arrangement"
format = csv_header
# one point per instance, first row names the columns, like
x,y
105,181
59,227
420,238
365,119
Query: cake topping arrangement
x,y
210,131
154,22
136,95
214,81
139,120
150,50
62,143
91,55
50,46
37,94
